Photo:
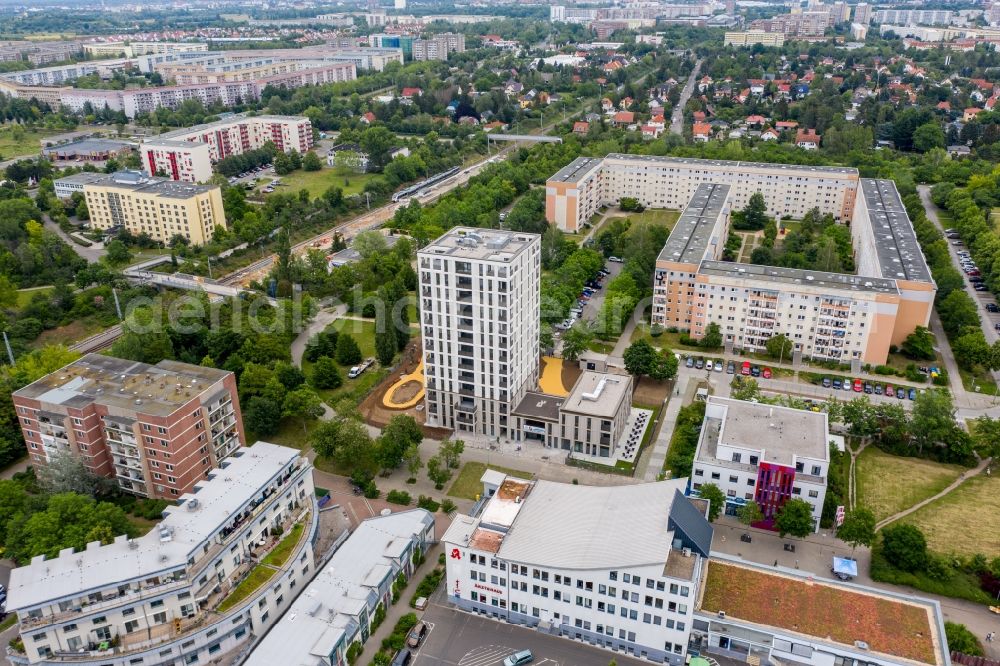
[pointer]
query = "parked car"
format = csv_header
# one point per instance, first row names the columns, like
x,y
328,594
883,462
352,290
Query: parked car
x,y
992,307
755,370
878,389
912,395
731,368
847,384
858,387
838,384
766,373
745,368
690,362
417,635
979,286
718,366
900,393
827,383
889,390
699,363
617,260
869,388
519,658
957,243
403,658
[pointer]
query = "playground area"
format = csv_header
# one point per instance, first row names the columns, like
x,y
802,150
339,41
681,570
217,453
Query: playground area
x,y
408,390
402,392
557,377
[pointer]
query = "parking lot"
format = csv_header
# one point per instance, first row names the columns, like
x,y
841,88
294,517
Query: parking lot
x,y
457,638
592,305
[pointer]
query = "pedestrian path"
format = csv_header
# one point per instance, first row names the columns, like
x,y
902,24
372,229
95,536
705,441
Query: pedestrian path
x,y
954,484
656,458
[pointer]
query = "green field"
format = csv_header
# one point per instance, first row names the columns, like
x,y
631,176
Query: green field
x,y
888,484
963,521
24,296
663,217
317,182
28,143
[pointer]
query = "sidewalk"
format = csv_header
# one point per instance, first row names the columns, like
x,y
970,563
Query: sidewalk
x,y
658,454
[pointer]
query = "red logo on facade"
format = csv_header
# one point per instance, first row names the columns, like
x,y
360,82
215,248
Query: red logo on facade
x,y
456,554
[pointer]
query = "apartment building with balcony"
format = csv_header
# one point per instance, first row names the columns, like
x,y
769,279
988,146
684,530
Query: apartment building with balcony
x,y
575,192
480,317
617,567
765,453
222,139
156,429
336,609
158,598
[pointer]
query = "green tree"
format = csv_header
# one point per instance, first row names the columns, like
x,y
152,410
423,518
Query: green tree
x,y
712,339
69,520
438,472
377,142
754,216
348,352
716,500
640,358
411,459
576,340
858,528
290,376
919,345
262,416
960,639
933,418
665,367
904,547
385,346
450,452
795,518
779,347
750,513
311,162
325,374
861,417
928,136
397,437
303,404
348,444
117,253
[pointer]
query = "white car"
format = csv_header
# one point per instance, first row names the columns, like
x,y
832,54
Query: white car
x,y
617,260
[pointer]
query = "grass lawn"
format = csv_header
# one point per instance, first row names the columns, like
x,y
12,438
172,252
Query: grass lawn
x,y
290,434
8,622
363,333
24,296
278,556
317,182
666,339
963,521
660,216
979,383
253,582
69,334
468,485
601,347
27,144
888,484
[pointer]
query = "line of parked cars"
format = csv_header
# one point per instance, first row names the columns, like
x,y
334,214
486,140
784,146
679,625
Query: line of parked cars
x,y
965,259
746,368
252,172
859,386
590,288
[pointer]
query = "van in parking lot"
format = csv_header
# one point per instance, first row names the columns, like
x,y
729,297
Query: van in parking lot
x,y
403,658
519,658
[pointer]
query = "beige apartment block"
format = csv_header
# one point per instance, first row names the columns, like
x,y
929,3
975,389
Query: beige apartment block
x,y
752,37
158,207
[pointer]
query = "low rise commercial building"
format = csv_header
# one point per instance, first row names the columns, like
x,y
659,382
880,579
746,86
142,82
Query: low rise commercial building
x,y
615,566
168,597
768,454
336,609
88,150
156,429
155,206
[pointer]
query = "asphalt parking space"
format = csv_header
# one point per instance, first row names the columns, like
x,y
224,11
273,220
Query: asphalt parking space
x,y
457,638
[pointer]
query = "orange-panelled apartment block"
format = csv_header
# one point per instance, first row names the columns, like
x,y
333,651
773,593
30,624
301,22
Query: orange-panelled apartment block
x,y
157,429
829,316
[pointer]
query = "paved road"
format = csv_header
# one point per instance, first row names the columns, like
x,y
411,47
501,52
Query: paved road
x,y
92,254
981,298
677,117
457,638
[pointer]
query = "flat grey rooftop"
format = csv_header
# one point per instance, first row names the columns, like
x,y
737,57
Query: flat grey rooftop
x,y
690,237
539,406
480,244
899,254
228,490
139,182
231,120
576,169
569,526
736,166
780,433
88,146
598,394
118,383
800,276
83,178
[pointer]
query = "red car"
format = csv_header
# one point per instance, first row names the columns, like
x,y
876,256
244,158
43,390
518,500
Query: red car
x,y
767,373
745,370
858,386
